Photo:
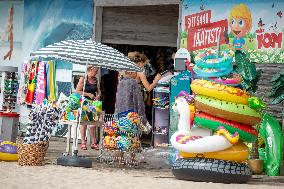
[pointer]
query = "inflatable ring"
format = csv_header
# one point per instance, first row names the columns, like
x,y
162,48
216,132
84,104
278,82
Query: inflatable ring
x,y
246,132
8,157
238,152
211,170
212,72
231,80
219,91
8,151
207,59
228,110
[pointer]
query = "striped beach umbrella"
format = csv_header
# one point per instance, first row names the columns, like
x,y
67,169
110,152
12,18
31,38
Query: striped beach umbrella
x,y
87,52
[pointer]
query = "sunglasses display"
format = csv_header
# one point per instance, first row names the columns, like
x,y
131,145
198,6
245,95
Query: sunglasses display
x,y
10,89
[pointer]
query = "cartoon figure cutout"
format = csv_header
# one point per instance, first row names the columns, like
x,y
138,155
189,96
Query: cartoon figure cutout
x,y
240,22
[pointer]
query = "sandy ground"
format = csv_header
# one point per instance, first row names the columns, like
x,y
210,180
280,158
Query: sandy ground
x,y
53,176
13,176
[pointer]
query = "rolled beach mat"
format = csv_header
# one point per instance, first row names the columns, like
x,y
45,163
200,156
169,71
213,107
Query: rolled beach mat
x,y
238,152
219,91
227,110
246,132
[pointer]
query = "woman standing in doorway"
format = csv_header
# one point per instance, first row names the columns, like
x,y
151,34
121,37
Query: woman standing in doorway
x,y
92,92
126,97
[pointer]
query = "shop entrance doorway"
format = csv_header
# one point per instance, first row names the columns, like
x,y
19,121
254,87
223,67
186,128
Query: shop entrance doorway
x,y
160,60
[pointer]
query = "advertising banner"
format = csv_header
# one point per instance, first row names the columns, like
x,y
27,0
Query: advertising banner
x,y
254,27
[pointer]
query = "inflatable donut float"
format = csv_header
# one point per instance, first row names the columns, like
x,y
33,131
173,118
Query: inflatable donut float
x,y
227,110
238,152
8,151
211,170
208,59
231,80
211,72
219,91
246,132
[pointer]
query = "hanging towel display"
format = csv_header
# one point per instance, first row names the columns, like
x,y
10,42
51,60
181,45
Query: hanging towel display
x,y
22,90
51,85
31,82
41,83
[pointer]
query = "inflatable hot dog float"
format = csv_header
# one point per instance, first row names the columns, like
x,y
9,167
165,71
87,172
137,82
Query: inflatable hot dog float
x,y
219,91
183,141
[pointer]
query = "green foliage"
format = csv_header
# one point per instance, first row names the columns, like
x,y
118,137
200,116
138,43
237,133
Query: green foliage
x,y
247,70
277,91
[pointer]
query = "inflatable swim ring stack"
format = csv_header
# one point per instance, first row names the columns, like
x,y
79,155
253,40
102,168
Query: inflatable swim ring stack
x,y
219,70
226,106
8,151
207,158
207,64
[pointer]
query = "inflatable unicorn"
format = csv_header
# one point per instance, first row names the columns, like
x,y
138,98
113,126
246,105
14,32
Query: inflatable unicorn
x,y
184,141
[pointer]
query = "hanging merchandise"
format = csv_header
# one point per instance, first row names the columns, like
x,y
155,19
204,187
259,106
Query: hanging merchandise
x,y
9,90
31,82
43,119
41,83
51,85
22,91
90,109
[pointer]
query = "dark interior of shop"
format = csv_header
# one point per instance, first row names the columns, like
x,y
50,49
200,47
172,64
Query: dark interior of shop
x,y
160,60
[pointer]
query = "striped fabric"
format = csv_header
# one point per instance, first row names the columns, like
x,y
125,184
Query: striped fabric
x,y
87,51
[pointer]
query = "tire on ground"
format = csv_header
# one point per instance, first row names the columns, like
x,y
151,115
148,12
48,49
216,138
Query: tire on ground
x,y
211,170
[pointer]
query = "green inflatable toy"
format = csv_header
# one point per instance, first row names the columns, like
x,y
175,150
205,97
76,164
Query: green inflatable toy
x,y
270,132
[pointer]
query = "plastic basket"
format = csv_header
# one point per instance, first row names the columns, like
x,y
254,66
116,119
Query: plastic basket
x,y
32,154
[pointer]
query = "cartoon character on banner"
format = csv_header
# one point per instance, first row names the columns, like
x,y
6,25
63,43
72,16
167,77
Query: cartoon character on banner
x,y
240,22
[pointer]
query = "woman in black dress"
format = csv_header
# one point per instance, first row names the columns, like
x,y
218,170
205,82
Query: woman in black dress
x,y
92,92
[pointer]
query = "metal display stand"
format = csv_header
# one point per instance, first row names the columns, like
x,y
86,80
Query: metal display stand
x,y
9,119
117,157
161,114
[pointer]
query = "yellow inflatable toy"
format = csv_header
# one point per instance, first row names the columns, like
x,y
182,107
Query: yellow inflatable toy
x,y
8,151
219,91
238,152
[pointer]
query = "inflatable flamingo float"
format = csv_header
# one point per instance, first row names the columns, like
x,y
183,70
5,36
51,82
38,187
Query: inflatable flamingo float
x,y
184,141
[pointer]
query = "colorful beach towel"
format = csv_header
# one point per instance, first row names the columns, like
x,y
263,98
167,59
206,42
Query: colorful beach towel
x,y
51,85
31,82
41,83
